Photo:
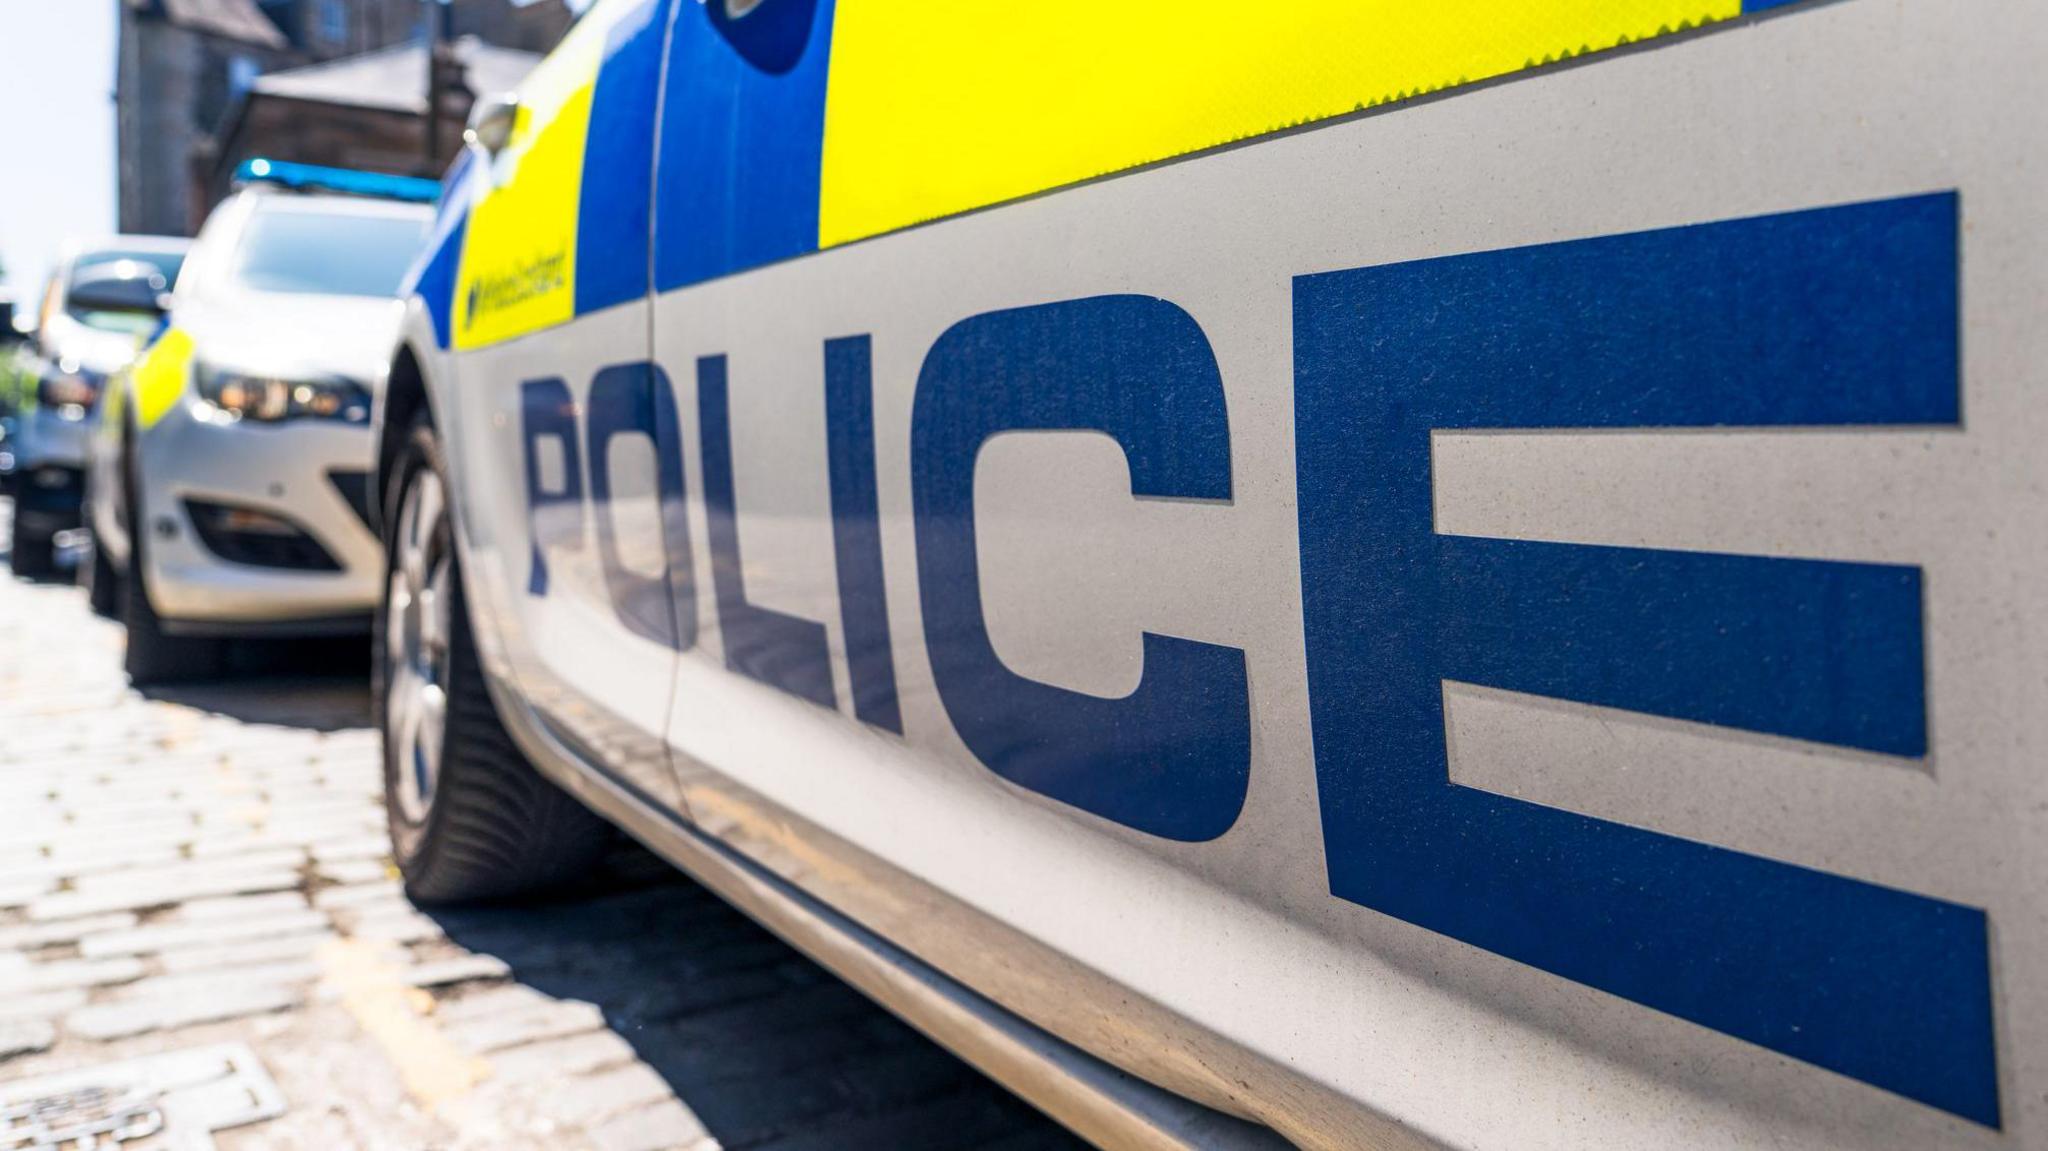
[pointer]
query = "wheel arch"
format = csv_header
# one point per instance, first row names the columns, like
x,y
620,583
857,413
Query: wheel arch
x,y
405,399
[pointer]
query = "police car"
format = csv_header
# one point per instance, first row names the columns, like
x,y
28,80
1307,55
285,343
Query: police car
x,y
101,301
229,474
1352,574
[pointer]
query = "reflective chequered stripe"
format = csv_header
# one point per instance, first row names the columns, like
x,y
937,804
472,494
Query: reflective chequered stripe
x,y
801,124
939,108
159,376
520,248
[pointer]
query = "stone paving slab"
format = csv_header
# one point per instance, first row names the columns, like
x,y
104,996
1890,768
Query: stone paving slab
x,y
169,936
552,1058
358,895
183,1007
496,1032
243,953
64,974
42,1005
147,892
237,907
208,864
463,969
26,1037
663,1125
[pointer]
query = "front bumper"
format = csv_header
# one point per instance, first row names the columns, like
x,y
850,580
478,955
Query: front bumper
x,y
48,497
198,474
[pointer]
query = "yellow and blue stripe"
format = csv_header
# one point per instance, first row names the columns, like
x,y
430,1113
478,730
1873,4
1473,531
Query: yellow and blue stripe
x,y
806,124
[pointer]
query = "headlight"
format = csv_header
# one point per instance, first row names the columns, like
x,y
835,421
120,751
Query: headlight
x,y
242,396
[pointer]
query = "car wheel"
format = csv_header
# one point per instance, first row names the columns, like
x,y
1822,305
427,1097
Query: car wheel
x,y
102,585
470,818
155,657
34,553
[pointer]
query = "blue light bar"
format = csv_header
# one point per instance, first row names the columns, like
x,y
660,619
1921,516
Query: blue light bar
x,y
314,178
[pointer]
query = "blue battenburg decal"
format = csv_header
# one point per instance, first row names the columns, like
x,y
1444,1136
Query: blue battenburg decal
x,y
432,276
434,282
742,138
612,215
1835,317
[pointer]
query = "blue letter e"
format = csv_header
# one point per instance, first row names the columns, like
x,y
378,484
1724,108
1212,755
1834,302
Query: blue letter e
x,y
1830,318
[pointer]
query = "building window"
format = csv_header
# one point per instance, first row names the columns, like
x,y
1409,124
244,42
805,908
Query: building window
x,y
333,21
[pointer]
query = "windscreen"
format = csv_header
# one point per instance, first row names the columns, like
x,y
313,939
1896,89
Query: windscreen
x,y
328,253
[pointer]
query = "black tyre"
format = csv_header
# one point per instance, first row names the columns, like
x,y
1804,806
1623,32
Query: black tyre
x,y
154,656
471,819
34,553
102,583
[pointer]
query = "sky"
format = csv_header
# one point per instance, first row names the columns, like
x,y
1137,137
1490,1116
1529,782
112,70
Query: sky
x,y
56,131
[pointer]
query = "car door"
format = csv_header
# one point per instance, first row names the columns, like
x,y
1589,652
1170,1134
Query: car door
x,y
561,443
1425,628
772,683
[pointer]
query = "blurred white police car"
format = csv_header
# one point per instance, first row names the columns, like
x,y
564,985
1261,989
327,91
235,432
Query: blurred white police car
x,y
228,475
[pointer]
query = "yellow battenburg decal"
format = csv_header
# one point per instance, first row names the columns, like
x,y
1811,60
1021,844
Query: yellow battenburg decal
x,y
518,271
159,376
936,108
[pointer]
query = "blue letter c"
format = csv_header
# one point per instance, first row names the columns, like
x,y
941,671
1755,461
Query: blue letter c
x,y
1172,758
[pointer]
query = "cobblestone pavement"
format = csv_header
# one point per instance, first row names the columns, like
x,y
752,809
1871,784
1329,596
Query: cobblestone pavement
x,y
208,864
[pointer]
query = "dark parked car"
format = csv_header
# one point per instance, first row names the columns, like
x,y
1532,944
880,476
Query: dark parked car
x,y
101,303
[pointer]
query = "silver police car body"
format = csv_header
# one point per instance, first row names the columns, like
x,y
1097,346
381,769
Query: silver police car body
x,y
1430,575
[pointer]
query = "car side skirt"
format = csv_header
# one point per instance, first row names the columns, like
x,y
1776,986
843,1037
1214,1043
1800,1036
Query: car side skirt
x,y
1097,1101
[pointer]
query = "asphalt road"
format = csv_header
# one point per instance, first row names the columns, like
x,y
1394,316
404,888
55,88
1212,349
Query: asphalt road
x,y
208,865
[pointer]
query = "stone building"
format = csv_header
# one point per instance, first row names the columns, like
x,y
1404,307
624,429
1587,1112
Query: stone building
x,y
189,70
327,28
324,29
182,63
